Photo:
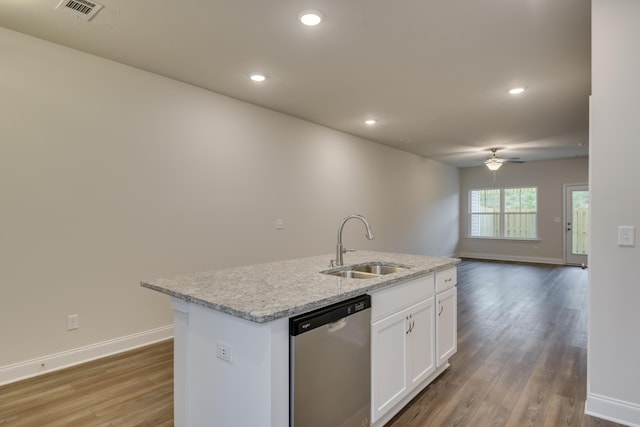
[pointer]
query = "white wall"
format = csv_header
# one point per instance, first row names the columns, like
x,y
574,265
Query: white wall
x,y
614,343
549,177
110,175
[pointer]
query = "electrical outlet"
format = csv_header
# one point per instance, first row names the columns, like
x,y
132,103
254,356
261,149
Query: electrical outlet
x,y
73,322
223,351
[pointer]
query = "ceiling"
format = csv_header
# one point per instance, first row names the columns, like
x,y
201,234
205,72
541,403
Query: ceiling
x,y
433,73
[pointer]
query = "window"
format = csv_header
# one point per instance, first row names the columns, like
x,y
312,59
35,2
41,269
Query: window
x,y
504,213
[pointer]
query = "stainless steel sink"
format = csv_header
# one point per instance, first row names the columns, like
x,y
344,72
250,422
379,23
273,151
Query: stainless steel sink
x,y
352,274
379,269
368,270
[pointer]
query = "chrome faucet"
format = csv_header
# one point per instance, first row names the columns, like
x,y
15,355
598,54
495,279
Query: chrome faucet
x,y
340,250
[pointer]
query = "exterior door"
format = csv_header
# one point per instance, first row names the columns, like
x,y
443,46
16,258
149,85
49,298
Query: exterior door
x,y
576,224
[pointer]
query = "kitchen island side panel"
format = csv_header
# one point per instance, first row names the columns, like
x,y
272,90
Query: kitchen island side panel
x,y
252,389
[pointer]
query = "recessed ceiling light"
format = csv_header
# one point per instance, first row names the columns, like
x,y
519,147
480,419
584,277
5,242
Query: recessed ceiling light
x,y
310,17
258,77
370,122
516,90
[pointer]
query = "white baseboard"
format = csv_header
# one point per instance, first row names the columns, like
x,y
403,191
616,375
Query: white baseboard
x,y
502,257
618,411
53,362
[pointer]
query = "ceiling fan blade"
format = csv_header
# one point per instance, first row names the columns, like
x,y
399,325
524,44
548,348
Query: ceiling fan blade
x,y
512,161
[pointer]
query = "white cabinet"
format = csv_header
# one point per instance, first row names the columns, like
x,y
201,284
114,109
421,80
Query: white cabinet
x,y
388,363
413,334
402,354
402,342
446,316
446,326
420,342
446,279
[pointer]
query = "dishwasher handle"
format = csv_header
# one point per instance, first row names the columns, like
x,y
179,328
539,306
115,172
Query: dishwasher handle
x,y
332,314
336,326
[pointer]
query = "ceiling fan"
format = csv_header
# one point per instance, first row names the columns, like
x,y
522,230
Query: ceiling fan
x,y
494,162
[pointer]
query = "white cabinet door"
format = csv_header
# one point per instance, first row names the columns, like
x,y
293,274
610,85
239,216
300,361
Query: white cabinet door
x,y
388,363
446,325
420,342
402,354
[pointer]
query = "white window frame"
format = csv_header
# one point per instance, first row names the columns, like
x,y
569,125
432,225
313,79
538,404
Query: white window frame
x,y
501,215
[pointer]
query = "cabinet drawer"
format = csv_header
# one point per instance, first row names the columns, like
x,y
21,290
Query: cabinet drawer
x,y
391,300
446,279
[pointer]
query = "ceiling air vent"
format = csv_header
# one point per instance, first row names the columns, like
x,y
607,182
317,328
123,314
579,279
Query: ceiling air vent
x,y
80,8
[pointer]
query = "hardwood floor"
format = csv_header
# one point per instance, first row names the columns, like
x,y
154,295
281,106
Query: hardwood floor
x,y
130,389
521,361
522,351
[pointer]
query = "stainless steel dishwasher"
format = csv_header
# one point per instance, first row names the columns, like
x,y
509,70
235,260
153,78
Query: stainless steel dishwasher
x,y
330,366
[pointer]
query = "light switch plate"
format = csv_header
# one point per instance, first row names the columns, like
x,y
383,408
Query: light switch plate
x,y
626,235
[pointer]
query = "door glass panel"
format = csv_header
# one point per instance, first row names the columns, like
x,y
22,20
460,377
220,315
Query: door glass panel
x,y
580,223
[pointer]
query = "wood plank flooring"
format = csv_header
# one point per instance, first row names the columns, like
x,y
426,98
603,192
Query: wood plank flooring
x,y
130,389
522,351
521,361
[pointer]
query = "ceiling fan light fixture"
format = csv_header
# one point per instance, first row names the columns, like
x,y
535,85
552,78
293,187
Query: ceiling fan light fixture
x,y
493,165
516,90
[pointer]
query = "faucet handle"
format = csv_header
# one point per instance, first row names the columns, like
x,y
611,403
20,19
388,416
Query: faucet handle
x,y
332,263
345,250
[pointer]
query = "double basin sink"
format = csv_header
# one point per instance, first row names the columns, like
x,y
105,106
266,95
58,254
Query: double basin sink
x,y
366,271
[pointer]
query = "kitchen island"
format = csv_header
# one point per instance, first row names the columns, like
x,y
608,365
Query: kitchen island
x,y
231,334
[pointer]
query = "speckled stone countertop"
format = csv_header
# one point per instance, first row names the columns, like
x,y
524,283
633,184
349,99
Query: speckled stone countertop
x,y
265,292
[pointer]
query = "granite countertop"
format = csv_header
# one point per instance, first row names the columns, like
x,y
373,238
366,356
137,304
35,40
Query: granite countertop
x,y
265,292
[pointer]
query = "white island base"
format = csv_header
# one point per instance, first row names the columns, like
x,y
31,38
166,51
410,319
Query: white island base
x,y
249,384
231,334
252,390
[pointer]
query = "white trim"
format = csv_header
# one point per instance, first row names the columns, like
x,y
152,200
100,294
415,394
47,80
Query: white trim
x,y
53,362
618,411
506,239
501,257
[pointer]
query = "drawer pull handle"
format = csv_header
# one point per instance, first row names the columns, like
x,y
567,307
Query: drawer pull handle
x,y
448,280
